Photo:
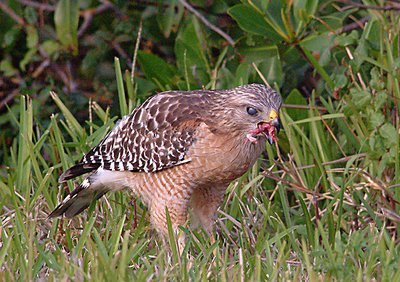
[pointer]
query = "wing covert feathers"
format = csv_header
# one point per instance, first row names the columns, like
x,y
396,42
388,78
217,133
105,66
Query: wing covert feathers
x,y
155,136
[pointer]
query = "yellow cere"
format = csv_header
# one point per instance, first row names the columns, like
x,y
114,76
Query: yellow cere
x,y
273,115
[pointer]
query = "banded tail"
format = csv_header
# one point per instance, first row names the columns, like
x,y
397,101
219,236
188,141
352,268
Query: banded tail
x,y
92,188
78,200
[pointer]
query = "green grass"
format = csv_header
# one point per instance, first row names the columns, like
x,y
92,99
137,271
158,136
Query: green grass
x,y
322,207
336,228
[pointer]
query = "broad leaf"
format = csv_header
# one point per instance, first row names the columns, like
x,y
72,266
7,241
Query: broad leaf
x,y
190,54
66,18
156,69
251,21
169,19
296,98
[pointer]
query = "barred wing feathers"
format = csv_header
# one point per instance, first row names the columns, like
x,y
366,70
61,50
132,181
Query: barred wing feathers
x,y
154,137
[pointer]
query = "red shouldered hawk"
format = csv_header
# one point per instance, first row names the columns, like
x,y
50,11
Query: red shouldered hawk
x,y
179,150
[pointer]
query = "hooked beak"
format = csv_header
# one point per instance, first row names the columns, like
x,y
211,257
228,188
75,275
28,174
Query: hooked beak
x,y
275,122
277,127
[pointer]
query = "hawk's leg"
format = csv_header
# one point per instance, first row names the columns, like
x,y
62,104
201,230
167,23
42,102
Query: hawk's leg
x,y
204,203
177,207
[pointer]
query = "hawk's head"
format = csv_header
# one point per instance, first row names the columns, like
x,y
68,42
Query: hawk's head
x,y
253,110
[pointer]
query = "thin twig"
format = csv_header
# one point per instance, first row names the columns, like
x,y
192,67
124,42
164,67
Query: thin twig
x,y
117,47
159,4
314,200
364,86
11,13
305,107
207,23
294,172
358,24
136,50
88,16
8,98
91,116
260,74
291,185
87,20
38,5
341,160
332,134
394,6
41,68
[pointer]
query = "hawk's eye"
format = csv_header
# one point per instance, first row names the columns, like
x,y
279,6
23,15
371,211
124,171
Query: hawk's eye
x,y
251,111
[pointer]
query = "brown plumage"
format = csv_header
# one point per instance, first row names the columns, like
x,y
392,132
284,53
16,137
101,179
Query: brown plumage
x,y
179,149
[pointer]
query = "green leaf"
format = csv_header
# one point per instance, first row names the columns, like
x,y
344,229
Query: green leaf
x,y
50,47
389,134
271,68
317,118
157,70
71,120
380,100
311,6
30,15
190,55
172,237
123,106
259,53
27,58
66,18
333,21
304,11
261,4
318,42
375,120
295,98
319,68
361,98
325,58
307,218
7,68
372,33
243,72
348,39
169,20
251,21
340,80
85,234
25,138
32,37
